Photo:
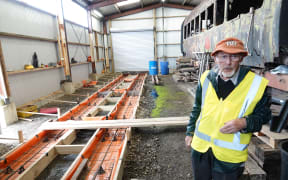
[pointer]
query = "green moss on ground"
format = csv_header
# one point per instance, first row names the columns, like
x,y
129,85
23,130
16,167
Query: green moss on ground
x,y
165,100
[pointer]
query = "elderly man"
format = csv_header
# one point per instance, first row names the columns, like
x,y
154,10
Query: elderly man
x,y
230,104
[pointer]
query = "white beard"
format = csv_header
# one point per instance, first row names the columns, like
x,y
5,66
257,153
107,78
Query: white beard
x,y
228,75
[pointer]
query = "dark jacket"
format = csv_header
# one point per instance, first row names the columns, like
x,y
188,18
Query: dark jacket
x,y
260,115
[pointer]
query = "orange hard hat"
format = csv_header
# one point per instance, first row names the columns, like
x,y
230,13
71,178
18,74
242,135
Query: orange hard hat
x,y
230,45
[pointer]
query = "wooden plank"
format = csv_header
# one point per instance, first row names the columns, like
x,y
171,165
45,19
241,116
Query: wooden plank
x,y
69,149
78,43
33,70
79,169
77,95
93,65
153,122
107,108
38,166
42,69
253,171
27,37
111,49
4,87
267,158
79,63
97,47
64,54
271,138
67,138
262,152
93,111
55,100
25,119
120,165
107,60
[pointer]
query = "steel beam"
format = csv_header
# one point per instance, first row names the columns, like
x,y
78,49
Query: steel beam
x,y
154,6
103,3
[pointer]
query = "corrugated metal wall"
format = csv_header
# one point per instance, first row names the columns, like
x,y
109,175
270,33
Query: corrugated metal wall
x,y
168,30
21,19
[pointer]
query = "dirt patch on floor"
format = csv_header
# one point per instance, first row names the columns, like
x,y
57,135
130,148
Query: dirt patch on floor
x,y
160,153
4,148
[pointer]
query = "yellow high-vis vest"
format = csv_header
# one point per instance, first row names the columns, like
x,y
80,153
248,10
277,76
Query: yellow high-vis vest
x,y
215,112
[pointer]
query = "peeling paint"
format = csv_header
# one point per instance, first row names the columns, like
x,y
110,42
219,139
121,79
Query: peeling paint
x,y
263,43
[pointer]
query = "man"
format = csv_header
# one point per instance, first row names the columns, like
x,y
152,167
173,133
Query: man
x,y
230,104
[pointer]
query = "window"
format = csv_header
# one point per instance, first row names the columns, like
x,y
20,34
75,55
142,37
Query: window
x,y
202,21
197,24
210,16
185,30
188,30
237,7
220,12
192,27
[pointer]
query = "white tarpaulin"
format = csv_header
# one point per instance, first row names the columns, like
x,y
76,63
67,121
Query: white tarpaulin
x,y
132,49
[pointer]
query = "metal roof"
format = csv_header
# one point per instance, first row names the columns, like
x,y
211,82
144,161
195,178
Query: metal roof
x,y
110,7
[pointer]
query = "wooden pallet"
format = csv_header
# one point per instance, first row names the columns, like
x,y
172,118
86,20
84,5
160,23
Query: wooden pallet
x,y
268,158
252,171
271,138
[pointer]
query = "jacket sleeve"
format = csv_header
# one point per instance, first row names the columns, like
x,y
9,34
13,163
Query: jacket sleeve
x,y
195,111
261,115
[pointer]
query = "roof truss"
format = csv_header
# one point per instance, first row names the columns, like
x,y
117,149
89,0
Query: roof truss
x,y
138,10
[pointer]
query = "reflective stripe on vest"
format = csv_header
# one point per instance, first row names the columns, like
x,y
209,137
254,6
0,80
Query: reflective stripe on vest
x,y
235,145
204,90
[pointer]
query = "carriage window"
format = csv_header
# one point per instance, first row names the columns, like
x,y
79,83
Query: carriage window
x,y
210,16
197,24
237,7
188,30
192,27
220,12
185,30
202,26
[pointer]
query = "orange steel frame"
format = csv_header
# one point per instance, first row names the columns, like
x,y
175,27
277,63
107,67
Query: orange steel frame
x,y
103,150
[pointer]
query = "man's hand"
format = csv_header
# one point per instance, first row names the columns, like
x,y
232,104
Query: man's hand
x,y
188,140
233,126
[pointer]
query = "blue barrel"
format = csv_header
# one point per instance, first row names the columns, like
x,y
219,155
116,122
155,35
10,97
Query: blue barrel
x,y
164,67
153,67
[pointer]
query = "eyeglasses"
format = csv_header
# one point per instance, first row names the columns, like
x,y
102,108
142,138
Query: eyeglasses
x,y
225,57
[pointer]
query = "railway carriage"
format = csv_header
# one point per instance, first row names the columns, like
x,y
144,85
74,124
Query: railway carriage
x,y
260,24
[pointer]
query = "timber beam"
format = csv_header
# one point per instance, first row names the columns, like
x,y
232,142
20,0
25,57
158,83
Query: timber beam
x,y
152,122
